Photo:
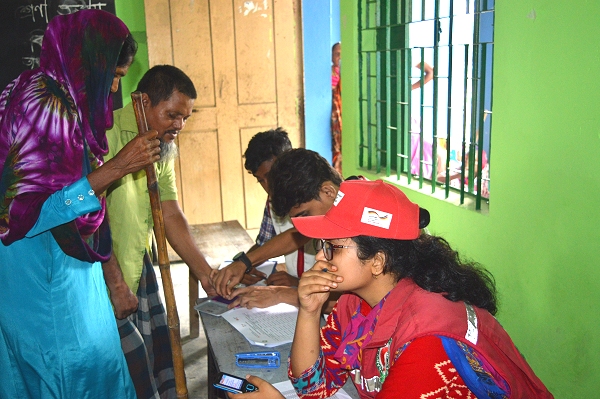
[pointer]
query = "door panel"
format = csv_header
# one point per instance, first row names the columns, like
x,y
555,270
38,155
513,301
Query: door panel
x,y
255,56
192,47
199,175
244,58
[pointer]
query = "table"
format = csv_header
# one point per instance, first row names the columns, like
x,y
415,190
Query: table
x,y
217,242
224,341
228,341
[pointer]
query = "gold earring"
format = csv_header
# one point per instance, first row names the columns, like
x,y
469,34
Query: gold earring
x,y
375,276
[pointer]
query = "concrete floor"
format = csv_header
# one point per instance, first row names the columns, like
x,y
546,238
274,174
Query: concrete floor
x,y
194,350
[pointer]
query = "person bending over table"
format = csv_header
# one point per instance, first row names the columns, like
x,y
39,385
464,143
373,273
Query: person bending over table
x,y
414,321
263,149
167,98
301,182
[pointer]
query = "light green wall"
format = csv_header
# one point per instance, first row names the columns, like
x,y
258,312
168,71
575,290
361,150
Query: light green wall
x,y
132,13
541,238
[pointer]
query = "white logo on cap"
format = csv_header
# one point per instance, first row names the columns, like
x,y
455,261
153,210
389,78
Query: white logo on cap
x,y
376,218
338,198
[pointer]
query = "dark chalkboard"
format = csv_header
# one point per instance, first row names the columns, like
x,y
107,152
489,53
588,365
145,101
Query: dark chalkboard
x,y
22,26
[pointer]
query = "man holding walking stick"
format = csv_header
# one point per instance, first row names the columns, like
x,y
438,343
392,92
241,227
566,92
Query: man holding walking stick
x,y
167,97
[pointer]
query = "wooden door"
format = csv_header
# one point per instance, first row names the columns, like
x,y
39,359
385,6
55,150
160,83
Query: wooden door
x,y
245,59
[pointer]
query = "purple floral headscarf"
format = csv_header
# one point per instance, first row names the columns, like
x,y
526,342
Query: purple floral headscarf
x,y
53,123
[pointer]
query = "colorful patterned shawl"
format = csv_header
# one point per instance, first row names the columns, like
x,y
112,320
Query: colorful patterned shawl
x,y
53,123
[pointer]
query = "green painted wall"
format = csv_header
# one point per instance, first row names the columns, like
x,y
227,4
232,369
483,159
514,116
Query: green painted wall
x,y
541,238
132,13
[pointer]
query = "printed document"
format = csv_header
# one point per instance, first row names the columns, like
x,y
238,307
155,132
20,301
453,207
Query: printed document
x,y
269,327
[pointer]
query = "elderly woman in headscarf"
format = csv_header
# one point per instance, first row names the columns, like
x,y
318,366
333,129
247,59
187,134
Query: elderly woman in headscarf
x,y
58,336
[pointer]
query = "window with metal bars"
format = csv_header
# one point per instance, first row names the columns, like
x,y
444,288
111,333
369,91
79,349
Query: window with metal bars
x,y
426,93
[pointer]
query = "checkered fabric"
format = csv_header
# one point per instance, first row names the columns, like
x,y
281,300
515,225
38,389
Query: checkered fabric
x,y
145,341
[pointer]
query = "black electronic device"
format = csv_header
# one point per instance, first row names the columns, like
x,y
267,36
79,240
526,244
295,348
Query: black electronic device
x,y
231,383
242,257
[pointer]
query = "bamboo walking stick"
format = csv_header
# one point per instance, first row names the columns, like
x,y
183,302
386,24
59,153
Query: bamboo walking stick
x,y
163,258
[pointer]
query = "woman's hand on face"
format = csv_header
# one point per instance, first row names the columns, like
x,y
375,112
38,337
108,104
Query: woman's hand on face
x,y
315,285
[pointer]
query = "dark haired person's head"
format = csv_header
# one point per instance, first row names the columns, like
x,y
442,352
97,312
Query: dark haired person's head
x,y
161,81
168,96
336,54
263,149
300,178
383,222
265,146
128,51
434,266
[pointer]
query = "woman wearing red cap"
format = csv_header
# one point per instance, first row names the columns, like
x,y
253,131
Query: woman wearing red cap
x,y
415,321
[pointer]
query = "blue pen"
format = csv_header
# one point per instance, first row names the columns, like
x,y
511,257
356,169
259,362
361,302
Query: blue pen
x,y
274,269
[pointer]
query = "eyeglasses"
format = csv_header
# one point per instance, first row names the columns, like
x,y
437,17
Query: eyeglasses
x,y
328,248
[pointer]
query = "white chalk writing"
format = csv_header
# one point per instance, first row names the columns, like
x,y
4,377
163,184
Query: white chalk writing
x,y
64,9
35,38
32,10
31,62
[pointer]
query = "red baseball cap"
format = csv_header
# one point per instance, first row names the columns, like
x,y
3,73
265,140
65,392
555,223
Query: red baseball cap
x,y
366,208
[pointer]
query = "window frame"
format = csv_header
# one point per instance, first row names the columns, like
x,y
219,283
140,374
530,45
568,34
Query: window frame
x,y
385,109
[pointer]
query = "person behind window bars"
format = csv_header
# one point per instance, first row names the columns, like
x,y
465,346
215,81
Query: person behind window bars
x,y
415,128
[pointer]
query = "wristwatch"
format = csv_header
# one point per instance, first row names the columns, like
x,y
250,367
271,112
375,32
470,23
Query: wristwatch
x,y
242,257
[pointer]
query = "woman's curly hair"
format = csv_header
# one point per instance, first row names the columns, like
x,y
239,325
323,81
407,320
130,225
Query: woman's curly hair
x,y
434,266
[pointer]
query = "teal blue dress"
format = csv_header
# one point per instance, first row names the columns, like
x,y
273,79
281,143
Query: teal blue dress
x,y
58,336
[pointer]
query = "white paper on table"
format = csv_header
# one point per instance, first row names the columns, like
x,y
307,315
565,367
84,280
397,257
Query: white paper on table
x,y
267,268
269,327
287,390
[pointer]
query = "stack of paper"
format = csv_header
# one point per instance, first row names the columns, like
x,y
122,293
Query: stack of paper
x,y
269,327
